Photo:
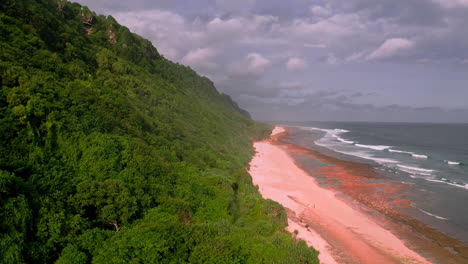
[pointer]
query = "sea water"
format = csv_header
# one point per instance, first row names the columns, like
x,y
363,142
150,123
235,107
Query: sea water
x,y
431,157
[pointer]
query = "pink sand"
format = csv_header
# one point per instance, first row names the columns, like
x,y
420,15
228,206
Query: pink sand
x,y
281,180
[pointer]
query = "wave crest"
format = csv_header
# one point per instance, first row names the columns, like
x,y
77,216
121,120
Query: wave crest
x,y
374,147
400,151
344,140
433,215
452,162
415,170
419,156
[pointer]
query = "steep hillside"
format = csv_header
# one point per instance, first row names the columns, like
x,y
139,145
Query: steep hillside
x,y
110,153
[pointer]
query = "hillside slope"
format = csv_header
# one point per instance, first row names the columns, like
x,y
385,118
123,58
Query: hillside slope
x,y
110,153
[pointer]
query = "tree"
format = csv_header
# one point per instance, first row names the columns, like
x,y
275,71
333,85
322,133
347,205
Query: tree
x,y
72,255
15,217
110,201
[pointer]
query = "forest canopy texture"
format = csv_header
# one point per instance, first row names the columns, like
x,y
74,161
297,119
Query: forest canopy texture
x,y
110,153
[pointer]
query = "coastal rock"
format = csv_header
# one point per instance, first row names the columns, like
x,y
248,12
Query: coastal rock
x,y
87,18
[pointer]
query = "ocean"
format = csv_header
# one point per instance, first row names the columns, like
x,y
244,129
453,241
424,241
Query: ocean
x,y
432,159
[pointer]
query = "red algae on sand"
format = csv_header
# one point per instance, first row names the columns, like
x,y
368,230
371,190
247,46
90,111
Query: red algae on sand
x,y
380,198
341,233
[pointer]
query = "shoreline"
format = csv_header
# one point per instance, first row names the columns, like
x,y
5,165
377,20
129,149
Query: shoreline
x,y
325,220
382,199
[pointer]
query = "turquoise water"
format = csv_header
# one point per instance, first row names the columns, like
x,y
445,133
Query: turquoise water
x,y
433,158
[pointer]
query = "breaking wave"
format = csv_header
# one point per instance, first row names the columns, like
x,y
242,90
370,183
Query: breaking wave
x,y
419,156
433,215
374,147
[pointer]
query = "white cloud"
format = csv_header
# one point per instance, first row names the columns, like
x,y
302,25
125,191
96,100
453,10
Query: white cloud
x,y
331,59
166,30
327,32
391,47
175,35
355,57
254,65
257,63
233,26
319,10
291,85
296,64
239,29
200,59
452,3
315,46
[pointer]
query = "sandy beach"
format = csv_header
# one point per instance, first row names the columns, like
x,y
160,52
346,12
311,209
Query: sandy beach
x,y
333,226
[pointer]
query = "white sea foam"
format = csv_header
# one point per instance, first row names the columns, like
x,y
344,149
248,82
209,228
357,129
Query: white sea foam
x,y
433,215
341,130
330,135
464,186
374,147
366,155
328,131
400,151
359,154
414,174
419,156
307,128
452,162
408,183
382,160
415,168
328,141
332,140
344,140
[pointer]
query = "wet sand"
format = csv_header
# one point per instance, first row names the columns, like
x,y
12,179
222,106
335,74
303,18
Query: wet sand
x,y
350,228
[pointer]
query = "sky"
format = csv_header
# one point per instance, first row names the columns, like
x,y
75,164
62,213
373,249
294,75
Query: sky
x,y
317,60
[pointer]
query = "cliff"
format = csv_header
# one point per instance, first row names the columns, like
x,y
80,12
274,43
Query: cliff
x,y
110,153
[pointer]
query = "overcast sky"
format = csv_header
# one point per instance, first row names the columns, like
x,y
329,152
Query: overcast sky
x,y
356,60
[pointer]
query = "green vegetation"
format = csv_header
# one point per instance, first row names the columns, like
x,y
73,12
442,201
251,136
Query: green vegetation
x,y
110,153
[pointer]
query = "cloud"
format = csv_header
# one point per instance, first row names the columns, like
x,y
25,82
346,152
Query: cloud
x,y
228,26
325,110
257,63
391,47
238,6
253,48
319,10
254,65
452,3
336,26
246,30
201,59
296,64
166,30
331,59
355,57
175,35
315,46
291,85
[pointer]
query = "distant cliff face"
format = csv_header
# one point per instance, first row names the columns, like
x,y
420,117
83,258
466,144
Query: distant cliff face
x,y
110,153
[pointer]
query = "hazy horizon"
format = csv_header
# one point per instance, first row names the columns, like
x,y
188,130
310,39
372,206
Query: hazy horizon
x,y
280,122
392,61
